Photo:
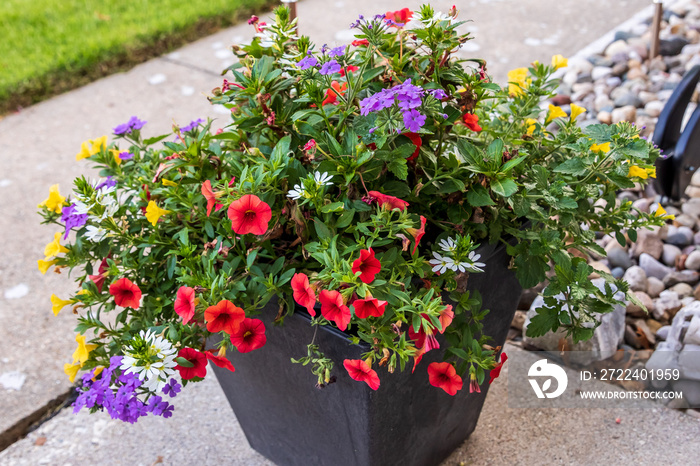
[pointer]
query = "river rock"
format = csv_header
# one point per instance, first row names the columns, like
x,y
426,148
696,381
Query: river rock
x,y
654,108
683,290
601,72
692,262
666,305
670,253
662,333
634,310
692,207
690,277
672,46
689,361
619,46
618,257
627,113
686,220
642,204
649,243
652,267
680,238
628,99
617,272
605,117
636,278
606,337
654,287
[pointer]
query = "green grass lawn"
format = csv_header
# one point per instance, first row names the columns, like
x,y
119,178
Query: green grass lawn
x,y
49,46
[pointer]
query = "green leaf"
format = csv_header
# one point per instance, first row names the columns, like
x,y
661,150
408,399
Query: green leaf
x,y
170,266
183,362
478,196
451,185
155,139
530,270
546,320
511,164
345,218
621,239
505,187
633,235
322,230
399,168
601,133
209,229
495,150
332,207
573,166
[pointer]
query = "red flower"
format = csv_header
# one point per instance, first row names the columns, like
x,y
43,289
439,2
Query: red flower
x,y
473,384
423,339
334,309
417,141
210,197
184,303
126,293
391,202
471,121
443,375
311,145
418,233
224,316
199,369
367,265
304,293
249,215
359,370
358,42
249,336
220,361
99,279
401,17
350,68
333,93
496,371
369,307
446,317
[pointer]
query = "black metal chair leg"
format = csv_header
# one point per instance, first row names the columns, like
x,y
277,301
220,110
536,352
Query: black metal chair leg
x,y
686,156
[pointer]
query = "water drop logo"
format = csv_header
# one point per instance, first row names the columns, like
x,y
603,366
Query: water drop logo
x,y
542,369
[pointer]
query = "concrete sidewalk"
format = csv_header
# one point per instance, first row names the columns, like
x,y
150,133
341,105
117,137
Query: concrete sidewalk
x,y
38,147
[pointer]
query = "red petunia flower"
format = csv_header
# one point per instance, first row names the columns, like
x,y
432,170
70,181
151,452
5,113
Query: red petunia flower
x,y
390,202
418,233
249,336
471,121
249,215
332,94
496,371
473,384
367,265
446,317
358,42
99,279
184,303
199,369
304,293
359,370
369,307
443,375
423,339
401,17
334,309
351,68
418,142
220,361
224,316
126,293
210,197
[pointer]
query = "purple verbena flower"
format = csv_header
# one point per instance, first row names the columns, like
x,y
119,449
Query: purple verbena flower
x,y
330,67
107,183
126,155
337,52
133,124
72,218
439,94
193,124
172,388
413,120
307,62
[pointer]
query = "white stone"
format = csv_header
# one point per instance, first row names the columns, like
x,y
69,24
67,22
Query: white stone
x,y
156,79
693,261
17,291
12,380
653,108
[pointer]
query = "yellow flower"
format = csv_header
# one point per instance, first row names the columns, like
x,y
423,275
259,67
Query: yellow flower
x,y
115,154
55,201
83,291
651,172
71,371
98,371
83,350
517,81
168,182
153,212
554,112
661,212
45,265
54,248
576,111
58,304
531,125
637,171
91,147
558,61
604,148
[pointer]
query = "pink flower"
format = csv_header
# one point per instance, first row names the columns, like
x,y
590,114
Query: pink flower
x,y
249,215
249,336
368,265
304,294
369,307
126,293
334,309
184,303
359,370
390,202
443,375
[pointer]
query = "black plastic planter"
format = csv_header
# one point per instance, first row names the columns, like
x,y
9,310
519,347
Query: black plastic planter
x,y
407,421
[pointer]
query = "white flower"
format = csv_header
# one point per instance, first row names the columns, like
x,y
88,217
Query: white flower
x,y
95,234
440,263
152,358
447,245
297,193
323,179
474,257
80,208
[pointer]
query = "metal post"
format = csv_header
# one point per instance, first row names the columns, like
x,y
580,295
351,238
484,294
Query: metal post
x,y
292,5
656,29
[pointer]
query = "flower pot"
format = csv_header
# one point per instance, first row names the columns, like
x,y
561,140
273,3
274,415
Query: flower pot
x,y
406,421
